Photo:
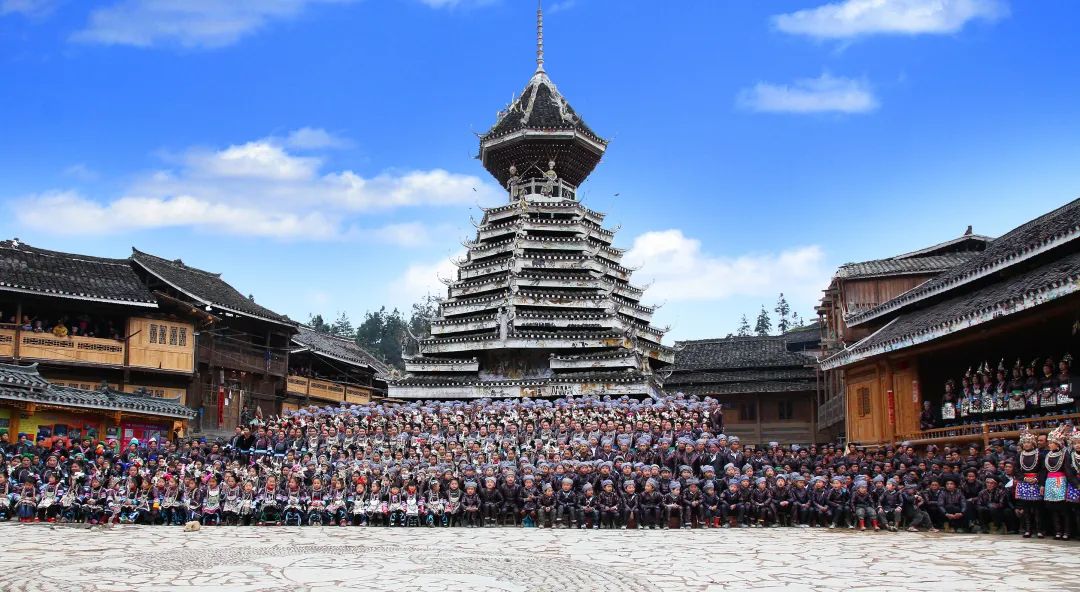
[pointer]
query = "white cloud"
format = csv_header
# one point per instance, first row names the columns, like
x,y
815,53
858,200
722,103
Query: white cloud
x,y
420,279
560,6
312,138
30,8
856,18
257,160
81,172
681,271
259,188
810,95
454,3
186,23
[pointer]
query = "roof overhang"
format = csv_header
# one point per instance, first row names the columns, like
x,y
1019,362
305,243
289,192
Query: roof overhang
x,y
206,302
1009,260
6,287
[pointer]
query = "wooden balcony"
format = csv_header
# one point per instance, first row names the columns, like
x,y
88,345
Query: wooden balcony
x,y
327,390
79,350
7,343
152,345
985,431
237,356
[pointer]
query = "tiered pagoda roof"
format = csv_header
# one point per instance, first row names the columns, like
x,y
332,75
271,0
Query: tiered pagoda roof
x,y
540,305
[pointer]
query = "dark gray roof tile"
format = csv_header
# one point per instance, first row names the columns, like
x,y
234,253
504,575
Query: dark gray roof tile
x,y
205,286
67,275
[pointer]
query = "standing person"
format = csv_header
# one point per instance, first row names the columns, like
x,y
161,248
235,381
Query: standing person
x,y
1028,491
1072,486
1054,487
631,505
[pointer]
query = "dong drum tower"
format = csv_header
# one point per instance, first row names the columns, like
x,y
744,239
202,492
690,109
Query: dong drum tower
x,y
541,306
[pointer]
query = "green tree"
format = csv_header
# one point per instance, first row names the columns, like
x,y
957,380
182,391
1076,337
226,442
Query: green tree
x,y
371,330
343,327
782,310
744,327
316,322
796,320
763,326
423,313
393,335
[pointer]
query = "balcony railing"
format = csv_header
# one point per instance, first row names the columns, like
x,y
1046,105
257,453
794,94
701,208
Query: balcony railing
x,y
238,356
985,431
327,390
86,350
539,186
152,344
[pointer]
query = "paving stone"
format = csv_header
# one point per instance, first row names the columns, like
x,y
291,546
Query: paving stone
x,y
520,560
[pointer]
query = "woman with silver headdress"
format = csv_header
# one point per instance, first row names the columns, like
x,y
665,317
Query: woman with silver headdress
x,y
1028,489
1054,487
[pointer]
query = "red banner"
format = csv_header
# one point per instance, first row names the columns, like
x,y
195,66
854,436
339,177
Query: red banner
x,y
221,405
892,407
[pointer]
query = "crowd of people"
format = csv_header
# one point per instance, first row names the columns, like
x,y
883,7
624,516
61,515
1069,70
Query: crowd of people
x,y
1039,388
568,463
67,325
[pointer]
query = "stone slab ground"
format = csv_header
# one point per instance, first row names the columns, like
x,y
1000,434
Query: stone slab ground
x,y
51,558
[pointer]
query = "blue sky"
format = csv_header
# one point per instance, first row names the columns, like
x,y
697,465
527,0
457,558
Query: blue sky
x,y
319,153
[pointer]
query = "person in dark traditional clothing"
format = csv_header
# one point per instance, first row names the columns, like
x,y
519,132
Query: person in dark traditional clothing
x,y
567,505
995,508
1028,487
609,504
651,505
839,501
1072,487
528,497
954,506
801,502
673,506
761,504
471,502
1054,485
863,506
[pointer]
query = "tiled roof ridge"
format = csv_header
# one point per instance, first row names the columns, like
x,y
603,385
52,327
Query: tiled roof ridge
x,y
178,263
730,339
946,282
18,245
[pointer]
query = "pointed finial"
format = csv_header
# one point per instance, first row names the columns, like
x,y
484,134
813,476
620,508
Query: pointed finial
x,y
539,35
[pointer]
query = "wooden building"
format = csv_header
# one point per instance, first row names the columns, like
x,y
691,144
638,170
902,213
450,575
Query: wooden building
x,y
1019,297
85,322
242,360
327,370
44,410
767,391
862,286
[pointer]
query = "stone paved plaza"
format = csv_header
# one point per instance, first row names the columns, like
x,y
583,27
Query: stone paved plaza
x,y
46,558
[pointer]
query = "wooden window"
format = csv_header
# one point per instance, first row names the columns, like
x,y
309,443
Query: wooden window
x,y
161,335
785,410
182,340
153,333
172,335
864,401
